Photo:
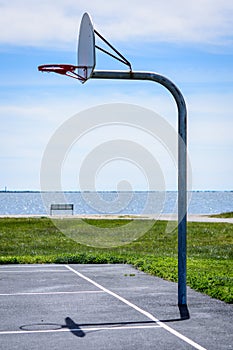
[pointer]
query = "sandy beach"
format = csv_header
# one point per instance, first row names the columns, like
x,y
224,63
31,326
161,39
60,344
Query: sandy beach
x,y
167,217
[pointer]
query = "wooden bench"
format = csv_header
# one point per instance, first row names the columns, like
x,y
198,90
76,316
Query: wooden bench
x,y
61,207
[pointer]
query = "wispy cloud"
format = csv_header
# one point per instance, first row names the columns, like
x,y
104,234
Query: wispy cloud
x,y
49,23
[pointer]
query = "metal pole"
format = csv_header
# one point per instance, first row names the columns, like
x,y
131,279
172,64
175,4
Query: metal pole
x,y
182,163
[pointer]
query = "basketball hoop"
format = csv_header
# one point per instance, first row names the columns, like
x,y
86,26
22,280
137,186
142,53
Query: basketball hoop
x,y
65,69
86,54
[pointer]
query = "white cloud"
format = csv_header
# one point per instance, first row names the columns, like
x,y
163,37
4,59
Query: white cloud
x,y
49,23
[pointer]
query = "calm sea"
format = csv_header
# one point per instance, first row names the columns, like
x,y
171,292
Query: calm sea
x,y
36,203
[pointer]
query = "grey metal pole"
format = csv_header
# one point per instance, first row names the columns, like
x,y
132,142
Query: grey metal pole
x,y
182,163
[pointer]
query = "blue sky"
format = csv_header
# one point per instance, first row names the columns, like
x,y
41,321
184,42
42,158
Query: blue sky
x,y
190,43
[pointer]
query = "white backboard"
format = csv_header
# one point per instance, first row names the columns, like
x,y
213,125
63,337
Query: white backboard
x,y
86,47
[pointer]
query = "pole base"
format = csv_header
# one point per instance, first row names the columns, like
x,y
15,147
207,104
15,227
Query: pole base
x,y
184,312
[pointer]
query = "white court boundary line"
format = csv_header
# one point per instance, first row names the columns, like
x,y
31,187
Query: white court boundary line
x,y
143,312
36,266
52,293
31,271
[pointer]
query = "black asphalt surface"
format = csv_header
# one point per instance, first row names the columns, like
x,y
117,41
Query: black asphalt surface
x,y
94,307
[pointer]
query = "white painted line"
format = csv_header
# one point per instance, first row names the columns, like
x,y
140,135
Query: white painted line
x,y
32,271
81,329
42,267
52,293
143,312
31,266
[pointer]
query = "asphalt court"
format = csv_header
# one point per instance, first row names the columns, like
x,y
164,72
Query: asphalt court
x,y
104,307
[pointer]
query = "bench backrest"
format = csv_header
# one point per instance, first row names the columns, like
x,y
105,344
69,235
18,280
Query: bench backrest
x,y
61,207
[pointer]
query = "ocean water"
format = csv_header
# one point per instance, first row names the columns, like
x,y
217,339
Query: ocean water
x,y
36,203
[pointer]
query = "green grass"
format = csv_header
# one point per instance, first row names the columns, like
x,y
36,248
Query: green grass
x,y
209,248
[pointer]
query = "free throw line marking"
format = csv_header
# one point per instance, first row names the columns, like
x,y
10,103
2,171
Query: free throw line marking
x,y
143,312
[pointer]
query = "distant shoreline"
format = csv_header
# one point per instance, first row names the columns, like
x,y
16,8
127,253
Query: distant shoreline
x,y
106,191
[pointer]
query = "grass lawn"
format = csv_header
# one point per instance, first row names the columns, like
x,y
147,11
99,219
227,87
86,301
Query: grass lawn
x,y
209,248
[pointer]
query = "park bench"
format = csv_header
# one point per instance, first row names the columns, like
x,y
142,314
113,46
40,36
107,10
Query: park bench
x,y
55,207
